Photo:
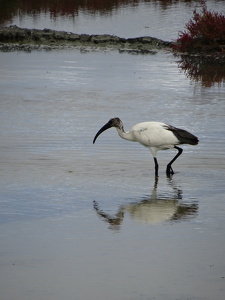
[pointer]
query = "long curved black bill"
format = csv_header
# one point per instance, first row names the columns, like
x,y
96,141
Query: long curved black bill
x,y
105,127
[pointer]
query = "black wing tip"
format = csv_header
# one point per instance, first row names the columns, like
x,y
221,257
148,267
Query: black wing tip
x,y
189,141
195,142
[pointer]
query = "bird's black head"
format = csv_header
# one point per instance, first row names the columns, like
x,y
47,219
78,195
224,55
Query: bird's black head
x,y
114,122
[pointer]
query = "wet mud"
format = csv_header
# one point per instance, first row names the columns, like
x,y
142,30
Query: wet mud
x,y
14,38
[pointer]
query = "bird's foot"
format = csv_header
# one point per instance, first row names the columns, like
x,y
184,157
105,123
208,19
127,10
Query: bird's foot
x,y
169,171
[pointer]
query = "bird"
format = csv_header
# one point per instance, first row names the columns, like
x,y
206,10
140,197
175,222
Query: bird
x,y
155,136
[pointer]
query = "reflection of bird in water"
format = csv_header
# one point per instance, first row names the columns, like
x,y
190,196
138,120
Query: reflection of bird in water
x,y
155,136
153,209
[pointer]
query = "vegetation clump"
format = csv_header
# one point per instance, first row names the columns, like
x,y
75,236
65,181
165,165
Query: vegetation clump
x,y
205,33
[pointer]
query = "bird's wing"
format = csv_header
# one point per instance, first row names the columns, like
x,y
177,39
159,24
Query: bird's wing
x,y
154,134
183,136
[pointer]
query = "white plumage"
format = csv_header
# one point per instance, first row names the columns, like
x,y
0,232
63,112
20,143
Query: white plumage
x,y
151,135
155,136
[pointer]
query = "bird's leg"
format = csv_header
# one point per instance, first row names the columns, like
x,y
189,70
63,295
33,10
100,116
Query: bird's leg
x,y
169,170
156,167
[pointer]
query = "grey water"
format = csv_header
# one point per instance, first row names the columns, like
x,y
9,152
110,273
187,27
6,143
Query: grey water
x,y
84,221
162,19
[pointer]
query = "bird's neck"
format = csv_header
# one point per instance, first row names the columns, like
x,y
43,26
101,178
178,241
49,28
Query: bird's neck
x,y
126,135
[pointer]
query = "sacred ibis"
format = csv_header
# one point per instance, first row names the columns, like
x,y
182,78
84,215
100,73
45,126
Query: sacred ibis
x,y
155,136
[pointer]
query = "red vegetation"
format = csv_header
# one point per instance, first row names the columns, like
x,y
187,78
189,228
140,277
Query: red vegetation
x,y
205,32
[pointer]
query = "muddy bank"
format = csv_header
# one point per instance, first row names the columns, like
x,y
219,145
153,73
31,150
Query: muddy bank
x,y
14,38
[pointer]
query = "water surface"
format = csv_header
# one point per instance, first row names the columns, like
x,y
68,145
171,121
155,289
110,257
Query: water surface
x,y
160,19
88,221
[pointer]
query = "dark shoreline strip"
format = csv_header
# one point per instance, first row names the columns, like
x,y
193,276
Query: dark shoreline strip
x,y
15,38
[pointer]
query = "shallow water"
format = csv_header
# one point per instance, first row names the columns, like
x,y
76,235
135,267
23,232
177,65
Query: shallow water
x,y
88,221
